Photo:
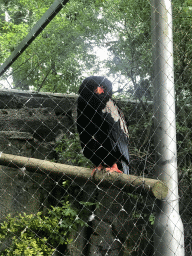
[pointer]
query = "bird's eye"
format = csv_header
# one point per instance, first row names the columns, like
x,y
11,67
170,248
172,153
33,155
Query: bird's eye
x,y
99,90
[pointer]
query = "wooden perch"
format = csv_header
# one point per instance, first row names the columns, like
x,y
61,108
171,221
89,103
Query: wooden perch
x,y
155,187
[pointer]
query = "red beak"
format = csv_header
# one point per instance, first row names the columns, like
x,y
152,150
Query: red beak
x,y
99,90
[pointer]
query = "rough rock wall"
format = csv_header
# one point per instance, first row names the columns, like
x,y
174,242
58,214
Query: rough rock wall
x,y
29,126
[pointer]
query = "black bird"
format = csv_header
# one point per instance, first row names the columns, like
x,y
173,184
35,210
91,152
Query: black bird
x,y
101,125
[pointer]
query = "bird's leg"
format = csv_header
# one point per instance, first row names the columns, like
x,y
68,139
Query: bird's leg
x,y
98,168
114,168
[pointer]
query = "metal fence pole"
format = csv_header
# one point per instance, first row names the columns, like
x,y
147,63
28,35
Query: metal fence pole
x,y
168,227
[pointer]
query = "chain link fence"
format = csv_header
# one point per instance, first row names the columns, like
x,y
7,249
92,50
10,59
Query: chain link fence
x,y
50,202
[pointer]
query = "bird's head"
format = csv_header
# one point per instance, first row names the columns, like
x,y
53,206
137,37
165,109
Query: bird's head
x,y
96,87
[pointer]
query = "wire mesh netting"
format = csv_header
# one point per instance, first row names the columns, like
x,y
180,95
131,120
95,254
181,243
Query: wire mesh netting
x,y
51,201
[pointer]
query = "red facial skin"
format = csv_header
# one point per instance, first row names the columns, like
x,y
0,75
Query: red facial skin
x,y
99,90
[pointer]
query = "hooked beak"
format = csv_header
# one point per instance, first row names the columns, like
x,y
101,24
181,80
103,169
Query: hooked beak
x,y
99,90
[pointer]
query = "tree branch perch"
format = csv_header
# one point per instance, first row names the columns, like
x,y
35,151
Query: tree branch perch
x,y
155,187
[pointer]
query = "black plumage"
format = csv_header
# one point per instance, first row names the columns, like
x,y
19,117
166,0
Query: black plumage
x,y
101,125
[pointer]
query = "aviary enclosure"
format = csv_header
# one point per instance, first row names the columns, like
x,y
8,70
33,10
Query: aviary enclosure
x,y
50,202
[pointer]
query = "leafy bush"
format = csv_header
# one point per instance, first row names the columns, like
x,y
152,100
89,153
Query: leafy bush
x,y
36,234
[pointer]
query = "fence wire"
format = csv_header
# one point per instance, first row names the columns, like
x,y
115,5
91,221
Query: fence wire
x,y
54,213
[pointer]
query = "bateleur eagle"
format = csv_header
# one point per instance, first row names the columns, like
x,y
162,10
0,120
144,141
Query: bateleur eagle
x,y
101,126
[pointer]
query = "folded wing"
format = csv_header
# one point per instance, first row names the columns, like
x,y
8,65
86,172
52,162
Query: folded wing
x,y
118,132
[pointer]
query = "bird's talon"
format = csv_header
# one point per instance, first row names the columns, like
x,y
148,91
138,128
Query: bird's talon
x,y
114,168
98,168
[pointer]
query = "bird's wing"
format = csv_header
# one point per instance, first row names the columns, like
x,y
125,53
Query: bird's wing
x,y
118,131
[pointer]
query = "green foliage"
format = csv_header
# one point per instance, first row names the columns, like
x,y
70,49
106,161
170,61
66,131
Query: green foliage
x,y
38,234
182,21
89,204
152,219
28,246
70,152
59,58
139,212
